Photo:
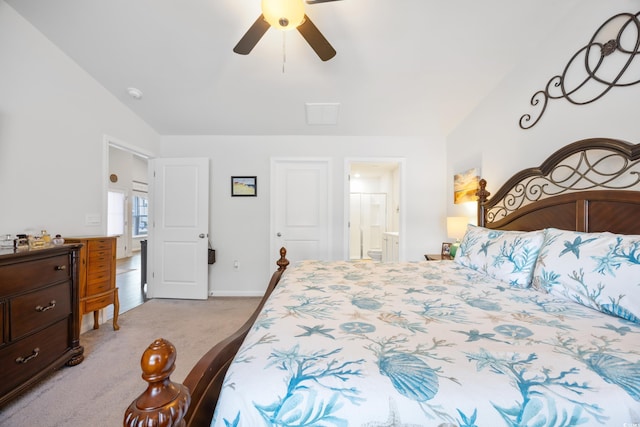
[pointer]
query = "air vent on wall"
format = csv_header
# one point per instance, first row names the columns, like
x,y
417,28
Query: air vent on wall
x,y
322,113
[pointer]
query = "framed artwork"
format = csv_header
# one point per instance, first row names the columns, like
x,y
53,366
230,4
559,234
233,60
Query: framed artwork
x,y
465,185
244,186
446,250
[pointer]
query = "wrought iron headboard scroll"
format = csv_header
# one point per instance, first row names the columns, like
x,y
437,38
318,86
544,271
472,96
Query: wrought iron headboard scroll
x,y
590,164
598,75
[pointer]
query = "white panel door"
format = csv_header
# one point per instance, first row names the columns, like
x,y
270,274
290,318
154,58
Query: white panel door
x,y
179,230
301,209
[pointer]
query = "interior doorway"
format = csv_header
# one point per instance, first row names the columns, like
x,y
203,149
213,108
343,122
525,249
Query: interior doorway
x,y
128,175
374,206
126,208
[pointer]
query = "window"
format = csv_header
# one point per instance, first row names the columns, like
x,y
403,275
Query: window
x,y
140,214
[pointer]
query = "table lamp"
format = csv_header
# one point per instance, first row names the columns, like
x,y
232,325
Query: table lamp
x,y
456,227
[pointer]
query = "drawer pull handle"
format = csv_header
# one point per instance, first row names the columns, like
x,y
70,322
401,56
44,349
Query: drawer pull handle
x,y
33,355
61,267
42,309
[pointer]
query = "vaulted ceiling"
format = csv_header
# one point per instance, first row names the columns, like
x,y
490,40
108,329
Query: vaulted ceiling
x,y
403,67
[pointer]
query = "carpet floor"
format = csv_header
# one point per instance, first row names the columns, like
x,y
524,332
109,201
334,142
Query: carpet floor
x,y
99,390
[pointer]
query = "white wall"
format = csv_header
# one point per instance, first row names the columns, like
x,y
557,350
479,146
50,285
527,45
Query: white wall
x,y
240,226
490,138
53,118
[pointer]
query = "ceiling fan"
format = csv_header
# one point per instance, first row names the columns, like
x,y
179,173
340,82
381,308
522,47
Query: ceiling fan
x,y
286,15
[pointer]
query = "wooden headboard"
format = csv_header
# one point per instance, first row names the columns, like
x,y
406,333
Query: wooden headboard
x,y
590,185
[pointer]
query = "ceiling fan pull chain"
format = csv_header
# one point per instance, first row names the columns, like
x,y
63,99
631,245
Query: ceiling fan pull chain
x,y
284,49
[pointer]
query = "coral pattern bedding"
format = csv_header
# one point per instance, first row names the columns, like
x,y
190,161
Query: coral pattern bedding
x,y
429,344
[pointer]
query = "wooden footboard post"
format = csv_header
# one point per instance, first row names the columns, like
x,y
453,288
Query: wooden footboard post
x,y
164,403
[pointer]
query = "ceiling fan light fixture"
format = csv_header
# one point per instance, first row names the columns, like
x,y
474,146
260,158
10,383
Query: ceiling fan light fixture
x,y
283,14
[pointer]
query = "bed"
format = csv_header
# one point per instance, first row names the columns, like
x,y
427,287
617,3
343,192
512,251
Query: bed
x,y
535,323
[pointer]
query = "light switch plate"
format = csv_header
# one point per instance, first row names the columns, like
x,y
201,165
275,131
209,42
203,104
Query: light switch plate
x,y
92,219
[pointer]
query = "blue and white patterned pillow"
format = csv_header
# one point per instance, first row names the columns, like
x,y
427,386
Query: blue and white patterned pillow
x,y
597,270
509,256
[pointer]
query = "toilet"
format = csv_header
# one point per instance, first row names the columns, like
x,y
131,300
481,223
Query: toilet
x,y
375,254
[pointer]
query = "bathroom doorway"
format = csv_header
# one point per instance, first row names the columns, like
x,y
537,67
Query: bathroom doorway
x,y
374,206
368,221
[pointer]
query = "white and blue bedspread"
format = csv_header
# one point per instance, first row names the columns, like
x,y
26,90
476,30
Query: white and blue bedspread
x,y
428,344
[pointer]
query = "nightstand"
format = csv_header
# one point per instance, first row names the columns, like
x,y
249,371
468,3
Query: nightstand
x,y
437,257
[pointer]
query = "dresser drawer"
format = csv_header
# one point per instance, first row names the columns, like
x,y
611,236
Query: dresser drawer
x,y
101,257
97,276
97,245
23,276
35,310
43,347
95,287
93,304
99,265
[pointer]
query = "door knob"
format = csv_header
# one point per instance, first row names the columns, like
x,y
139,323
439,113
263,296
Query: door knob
x,y
279,234
201,235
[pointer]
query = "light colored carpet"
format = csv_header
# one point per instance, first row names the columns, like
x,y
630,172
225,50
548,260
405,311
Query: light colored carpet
x,y
99,390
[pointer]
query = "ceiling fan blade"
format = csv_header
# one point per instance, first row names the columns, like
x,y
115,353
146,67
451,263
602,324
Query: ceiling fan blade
x,y
316,40
319,1
252,36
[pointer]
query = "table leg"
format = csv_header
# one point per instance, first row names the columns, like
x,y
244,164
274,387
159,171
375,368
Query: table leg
x,y
96,324
116,309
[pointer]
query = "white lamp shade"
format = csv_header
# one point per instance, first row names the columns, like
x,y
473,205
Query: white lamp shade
x,y
283,14
456,227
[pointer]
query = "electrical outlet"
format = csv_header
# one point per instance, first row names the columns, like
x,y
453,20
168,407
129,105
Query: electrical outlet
x,y
236,264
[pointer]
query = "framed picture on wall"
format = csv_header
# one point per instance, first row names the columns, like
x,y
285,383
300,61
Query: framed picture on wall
x,y
465,185
244,186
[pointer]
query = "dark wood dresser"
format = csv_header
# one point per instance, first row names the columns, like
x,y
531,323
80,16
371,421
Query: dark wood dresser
x,y
39,329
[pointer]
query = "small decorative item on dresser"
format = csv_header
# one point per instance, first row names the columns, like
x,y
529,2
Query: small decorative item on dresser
x,y
446,250
21,242
36,242
6,241
58,240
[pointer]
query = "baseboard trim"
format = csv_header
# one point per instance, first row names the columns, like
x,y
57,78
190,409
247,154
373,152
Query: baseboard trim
x,y
235,294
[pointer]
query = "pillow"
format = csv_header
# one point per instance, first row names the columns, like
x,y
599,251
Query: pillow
x,y
509,256
597,270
